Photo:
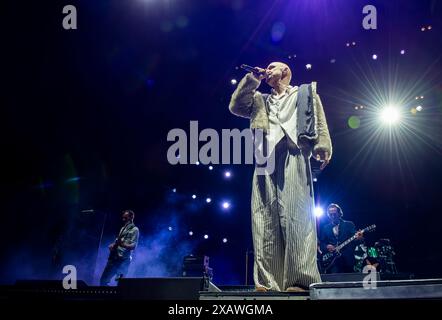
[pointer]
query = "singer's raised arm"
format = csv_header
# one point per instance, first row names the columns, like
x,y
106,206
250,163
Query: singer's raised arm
x,y
241,103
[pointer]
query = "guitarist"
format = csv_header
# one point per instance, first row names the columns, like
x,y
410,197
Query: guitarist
x,y
336,232
120,251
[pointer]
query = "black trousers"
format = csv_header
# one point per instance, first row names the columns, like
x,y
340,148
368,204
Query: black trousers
x,y
114,267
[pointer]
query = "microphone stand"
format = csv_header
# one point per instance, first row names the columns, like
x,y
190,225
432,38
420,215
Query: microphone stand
x,y
99,246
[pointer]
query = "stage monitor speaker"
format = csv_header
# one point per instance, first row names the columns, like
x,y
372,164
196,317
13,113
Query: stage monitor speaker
x,y
177,288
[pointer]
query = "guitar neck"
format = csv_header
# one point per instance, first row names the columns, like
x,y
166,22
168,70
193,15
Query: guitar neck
x,y
346,242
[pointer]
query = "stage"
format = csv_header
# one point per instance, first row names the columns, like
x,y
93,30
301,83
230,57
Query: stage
x,y
195,288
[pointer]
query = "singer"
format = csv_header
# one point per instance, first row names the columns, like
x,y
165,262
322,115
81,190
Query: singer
x,y
283,224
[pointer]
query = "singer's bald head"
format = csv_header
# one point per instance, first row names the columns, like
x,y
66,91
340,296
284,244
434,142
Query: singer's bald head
x,y
278,72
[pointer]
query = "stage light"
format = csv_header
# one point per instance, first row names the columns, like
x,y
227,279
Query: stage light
x,y
419,108
390,115
206,236
422,97
423,29
190,233
308,66
227,174
226,205
402,51
315,179
197,163
174,190
233,82
318,211
348,44
225,240
353,43
193,196
170,228
332,60
208,200
375,57
429,27
210,168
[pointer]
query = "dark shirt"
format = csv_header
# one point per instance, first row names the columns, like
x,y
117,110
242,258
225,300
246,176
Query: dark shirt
x,y
347,229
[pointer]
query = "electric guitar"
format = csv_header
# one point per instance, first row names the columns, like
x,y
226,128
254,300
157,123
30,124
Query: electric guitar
x,y
329,258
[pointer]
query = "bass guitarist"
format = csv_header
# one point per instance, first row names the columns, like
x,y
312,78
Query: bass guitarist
x,y
336,232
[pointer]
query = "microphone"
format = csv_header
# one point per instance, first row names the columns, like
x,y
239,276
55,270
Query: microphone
x,y
250,69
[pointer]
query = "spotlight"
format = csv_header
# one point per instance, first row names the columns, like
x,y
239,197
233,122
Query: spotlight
x,y
210,168
419,108
332,60
197,163
348,44
315,179
170,228
227,174
422,97
225,240
190,233
208,200
390,115
423,29
226,205
233,82
375,57
193,196
318,211
402,51
308,66
353,43
429,27
206,236
174,190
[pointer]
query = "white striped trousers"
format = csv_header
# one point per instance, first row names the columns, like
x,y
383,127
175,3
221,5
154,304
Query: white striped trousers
x,y
283,224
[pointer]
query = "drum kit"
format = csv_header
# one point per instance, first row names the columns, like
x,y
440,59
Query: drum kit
x,y
380,256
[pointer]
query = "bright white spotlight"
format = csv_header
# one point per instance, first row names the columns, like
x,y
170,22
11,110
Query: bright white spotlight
x,y
315,179
225,240
227,174
233,82
193,196
308,66
210,168
375,57
226,205
197,163
208,200
190,233
170,228
402,51
390,115
318,211
419,108
206,236
174,190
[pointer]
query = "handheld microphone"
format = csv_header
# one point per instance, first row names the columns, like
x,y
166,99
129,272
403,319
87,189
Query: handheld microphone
x,y
249,68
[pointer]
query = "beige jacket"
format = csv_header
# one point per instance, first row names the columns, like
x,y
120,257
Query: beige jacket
x,y
249,103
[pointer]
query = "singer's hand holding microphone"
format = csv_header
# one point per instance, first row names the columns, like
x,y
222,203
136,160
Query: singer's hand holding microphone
x,y
257,72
